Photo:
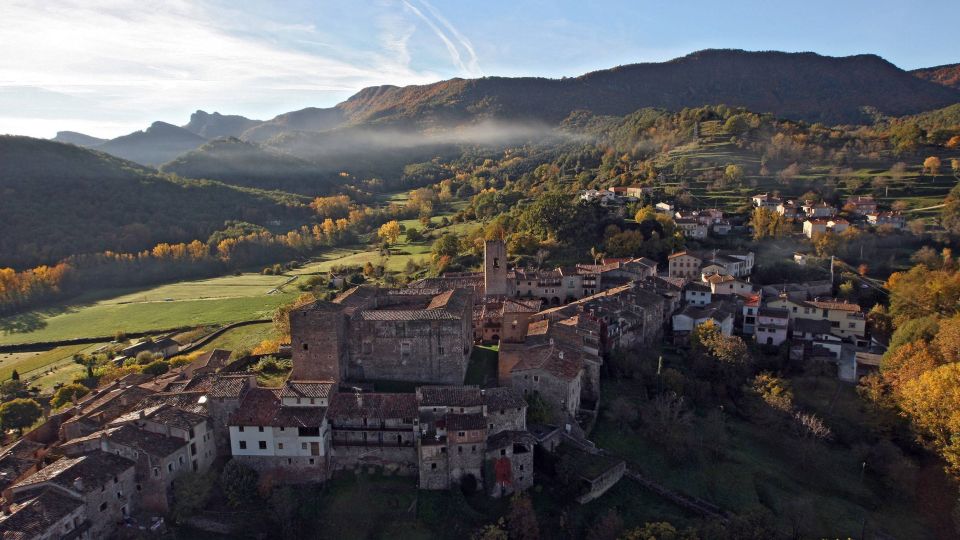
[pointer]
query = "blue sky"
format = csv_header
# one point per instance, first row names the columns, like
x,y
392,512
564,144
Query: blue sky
x,y
108,67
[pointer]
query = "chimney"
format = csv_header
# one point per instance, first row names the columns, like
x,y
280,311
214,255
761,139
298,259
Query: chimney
x,y
141,413
561,355
78,484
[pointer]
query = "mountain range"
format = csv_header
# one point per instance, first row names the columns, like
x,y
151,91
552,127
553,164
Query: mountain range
x,y
314,142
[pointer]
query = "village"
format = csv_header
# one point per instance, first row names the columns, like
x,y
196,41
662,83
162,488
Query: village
x,y
111,459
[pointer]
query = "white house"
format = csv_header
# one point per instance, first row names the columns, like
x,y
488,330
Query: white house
x,y
771,328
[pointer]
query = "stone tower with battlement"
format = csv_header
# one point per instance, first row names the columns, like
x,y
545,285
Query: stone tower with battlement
x,y
495,268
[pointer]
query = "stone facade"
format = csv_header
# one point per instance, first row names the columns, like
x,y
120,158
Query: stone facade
x,y
370,333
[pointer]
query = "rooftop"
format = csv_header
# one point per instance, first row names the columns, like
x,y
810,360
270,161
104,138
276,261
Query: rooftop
x,y
33,517
94,470
262,407
372,405
450,396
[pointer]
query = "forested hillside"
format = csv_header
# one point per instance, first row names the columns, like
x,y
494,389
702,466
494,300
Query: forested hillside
x,y
57,200
250,164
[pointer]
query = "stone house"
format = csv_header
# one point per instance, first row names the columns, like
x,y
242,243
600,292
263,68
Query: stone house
x,y
374,429
372,333
47,514
188,426
159,459
553,371
510,456
104,483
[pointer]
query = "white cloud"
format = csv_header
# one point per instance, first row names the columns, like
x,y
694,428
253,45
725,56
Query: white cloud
x,y
120,64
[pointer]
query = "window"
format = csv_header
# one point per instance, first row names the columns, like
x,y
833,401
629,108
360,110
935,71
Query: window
x,y
473,449
193,449
180,459
851,325
260,429
156,472
280,446
289,461
433,465
169,467
103,506
191,433
262,445
240,429
311,461
243,445
440,349
521,467
461,433
303,446
459,449
308,432
306,347
503,452
536,378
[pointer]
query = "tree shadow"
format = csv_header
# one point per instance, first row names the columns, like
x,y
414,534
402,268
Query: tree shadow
x,y
23,323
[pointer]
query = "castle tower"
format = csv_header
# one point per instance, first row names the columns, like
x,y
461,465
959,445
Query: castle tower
x,y
318,341
495,268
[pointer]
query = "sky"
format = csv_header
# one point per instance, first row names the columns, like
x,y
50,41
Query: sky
x,y
111,67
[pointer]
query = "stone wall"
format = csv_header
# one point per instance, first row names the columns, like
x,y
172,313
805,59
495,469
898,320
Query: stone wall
x,y
413,350
318,343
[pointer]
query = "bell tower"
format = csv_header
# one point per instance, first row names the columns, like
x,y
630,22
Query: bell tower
x,y
495,268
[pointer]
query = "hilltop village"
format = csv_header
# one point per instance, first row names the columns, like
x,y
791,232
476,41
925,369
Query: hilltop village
x,y
110,460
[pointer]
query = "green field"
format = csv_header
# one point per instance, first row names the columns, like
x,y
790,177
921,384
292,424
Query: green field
x,y
396,262
244,338
189,303
44,368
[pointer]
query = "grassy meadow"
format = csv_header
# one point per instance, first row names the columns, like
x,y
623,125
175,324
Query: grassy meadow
x,y
189,303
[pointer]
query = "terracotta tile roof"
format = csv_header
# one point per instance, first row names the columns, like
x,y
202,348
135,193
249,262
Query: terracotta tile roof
x,y
34,517
307,389
450,396
262,407
464,422
503,398
835,304
94,470
214,359
372,405
559,360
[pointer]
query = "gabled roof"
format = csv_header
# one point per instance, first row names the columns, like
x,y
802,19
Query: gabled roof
x,y
262,407
372,405
148,442
503,397
554,358
306,389
94,470
450,396
33,517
